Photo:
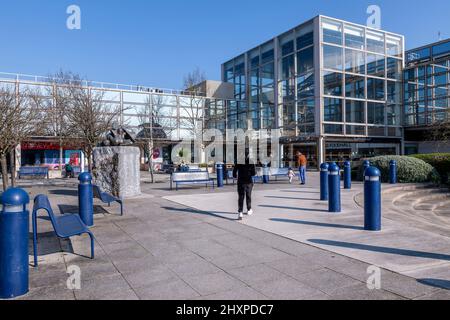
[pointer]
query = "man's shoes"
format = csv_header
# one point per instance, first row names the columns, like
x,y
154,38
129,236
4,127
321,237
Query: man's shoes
x,y
250,212
240,216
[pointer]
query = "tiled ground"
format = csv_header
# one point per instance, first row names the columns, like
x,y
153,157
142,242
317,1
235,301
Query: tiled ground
x,y
163,250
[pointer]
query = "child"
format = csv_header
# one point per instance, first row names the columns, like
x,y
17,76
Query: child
x,y
291,175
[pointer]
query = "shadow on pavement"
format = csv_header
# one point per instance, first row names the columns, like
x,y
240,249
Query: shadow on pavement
x,y
293,208
215,213
71,193
438,283
292,198
401,252
300,191
317,224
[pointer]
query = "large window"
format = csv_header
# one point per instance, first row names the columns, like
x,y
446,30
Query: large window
x,y
375,89
375,42
332,82
332,57
376,65
354,37
354,87
355,61
333,110
305,60
375,113
355,111
332,31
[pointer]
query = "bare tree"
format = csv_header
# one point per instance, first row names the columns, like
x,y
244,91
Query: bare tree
x,y
58,108
192,106
90,117
439,131
153,132
20,118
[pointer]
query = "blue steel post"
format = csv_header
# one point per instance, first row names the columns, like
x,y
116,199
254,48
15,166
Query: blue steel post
x,y
372,199
266,171
324,182
347,175
334,189
219,170
393,172
14,227
86,199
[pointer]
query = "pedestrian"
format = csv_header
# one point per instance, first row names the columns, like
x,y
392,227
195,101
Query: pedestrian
x,y
302,162
291,175
244,173
69,170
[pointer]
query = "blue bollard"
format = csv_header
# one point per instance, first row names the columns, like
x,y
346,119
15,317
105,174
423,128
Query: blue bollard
x,y
86,199
347,175
14,226
366,164
266,172
372,199
334,189
324,182
393,172
219,171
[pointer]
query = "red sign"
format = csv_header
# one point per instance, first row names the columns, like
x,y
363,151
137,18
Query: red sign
x,y
156,153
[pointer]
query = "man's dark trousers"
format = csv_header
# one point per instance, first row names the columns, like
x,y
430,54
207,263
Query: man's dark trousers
x,y
245,192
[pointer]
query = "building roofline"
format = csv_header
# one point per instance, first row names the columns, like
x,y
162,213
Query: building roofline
x,y
428,45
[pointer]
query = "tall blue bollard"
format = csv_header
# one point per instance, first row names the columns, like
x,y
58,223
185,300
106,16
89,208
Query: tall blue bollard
x,y
347,175
266,172
372,199
334,189
86,199
14,226
219,171
324,182
393,172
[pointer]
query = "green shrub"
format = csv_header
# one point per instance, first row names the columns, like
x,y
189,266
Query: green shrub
x,y
440,161
410,170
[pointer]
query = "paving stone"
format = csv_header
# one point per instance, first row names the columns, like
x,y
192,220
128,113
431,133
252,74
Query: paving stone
x,y
326,280
101,287
149,276
294,266
255,273
236,294
167,290
285,289
361,292
438,295
53,293
206,284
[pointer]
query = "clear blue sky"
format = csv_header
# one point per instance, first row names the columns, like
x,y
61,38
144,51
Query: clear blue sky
x,y
155,43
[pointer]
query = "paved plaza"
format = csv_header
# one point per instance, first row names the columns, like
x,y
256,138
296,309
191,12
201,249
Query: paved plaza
x,y
189,245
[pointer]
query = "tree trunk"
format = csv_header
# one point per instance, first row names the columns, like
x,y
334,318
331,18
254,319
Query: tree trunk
x,y
61,157
4,167
150,160
89,160
12,158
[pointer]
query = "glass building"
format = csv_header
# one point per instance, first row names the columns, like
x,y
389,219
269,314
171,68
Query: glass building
x,y
426,94
332,87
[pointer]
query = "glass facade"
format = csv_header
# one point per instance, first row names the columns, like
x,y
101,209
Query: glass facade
x,y
426,84
361,74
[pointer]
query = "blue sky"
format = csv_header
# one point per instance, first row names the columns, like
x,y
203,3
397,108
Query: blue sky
x,y
155,43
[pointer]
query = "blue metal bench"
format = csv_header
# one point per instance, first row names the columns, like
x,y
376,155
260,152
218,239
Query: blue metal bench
x,y
65,226
279,172
191,178
106,197
33,172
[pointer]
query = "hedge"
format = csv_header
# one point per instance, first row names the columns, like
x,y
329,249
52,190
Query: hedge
x,y
440,161
410,170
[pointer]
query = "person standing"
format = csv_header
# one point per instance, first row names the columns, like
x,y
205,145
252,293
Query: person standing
x,y
302,163
244,173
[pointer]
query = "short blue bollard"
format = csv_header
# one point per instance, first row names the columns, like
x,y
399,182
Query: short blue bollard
x,y
366,164
372,199
324,182
14,226
347,175
393,172
266,172
334,189
86,199
219,171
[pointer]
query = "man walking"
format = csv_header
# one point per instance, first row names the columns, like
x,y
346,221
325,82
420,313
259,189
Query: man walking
x,y
245,173
302,163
